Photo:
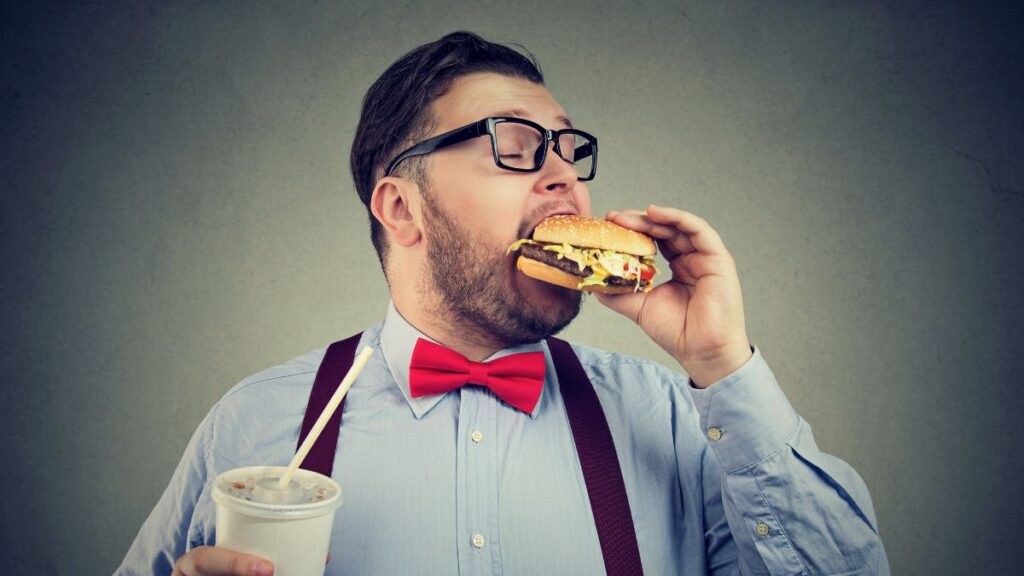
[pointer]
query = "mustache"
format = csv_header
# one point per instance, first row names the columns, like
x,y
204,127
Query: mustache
x,y
545,208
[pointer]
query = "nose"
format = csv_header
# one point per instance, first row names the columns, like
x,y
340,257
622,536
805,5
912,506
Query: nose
x,y
557,174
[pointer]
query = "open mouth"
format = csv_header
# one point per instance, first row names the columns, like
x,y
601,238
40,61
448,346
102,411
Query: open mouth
x,y
537,223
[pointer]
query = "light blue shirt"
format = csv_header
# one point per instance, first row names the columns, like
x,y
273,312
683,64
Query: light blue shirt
x,y
725,480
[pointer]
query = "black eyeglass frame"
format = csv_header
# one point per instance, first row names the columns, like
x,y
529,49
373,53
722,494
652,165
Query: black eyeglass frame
x,y
488,126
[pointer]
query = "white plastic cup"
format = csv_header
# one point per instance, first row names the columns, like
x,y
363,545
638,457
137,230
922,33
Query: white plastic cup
x,y
294,537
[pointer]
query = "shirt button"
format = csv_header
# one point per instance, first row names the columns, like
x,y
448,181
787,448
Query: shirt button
x,y
478,540
477,436
762,529
715,433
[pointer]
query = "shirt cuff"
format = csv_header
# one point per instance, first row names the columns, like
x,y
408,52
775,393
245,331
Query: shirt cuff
x,y
745,416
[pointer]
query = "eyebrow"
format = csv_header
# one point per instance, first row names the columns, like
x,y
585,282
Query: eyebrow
x,y
520,113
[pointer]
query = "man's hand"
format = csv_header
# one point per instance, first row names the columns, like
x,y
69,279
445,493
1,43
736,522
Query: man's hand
x,y
212,561
697,315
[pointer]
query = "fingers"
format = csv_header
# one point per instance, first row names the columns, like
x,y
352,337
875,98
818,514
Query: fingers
x,y
698,265
673,242
702,235
681,270
212,561
681,232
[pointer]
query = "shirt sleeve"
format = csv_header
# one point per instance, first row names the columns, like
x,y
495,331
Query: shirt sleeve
x,y
787,507
169,530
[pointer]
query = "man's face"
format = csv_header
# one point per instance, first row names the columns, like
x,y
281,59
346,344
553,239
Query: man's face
x,y
474,210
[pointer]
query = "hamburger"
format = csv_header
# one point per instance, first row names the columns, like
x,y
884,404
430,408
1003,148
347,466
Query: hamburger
x,y
589,254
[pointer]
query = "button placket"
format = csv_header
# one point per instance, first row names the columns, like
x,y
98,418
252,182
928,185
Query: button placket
x,y
478,526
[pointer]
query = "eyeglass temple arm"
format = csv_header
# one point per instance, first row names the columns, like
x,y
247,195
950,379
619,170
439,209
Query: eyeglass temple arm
x,y
440,141
583,151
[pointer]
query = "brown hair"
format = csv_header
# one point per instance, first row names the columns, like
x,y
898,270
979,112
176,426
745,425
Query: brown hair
x,y
396,108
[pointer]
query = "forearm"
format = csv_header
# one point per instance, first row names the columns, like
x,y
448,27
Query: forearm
x,y
800,511
790,508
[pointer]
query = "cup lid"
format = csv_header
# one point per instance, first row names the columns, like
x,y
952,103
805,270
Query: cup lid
x,y
232,489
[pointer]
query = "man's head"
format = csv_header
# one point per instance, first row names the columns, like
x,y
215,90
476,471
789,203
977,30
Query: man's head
x,y
397,108
441,222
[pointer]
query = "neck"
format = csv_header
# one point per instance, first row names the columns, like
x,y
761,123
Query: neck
x,y
436,321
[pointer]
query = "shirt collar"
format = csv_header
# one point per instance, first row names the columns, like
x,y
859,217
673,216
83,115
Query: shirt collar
x,y
397,340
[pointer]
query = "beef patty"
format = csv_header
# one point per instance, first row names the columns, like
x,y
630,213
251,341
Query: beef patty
x,y
538,253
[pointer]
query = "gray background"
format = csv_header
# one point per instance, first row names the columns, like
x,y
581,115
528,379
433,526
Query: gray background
x,y
177,213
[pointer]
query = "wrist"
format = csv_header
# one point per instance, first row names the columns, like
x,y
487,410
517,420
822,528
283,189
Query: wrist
x,y
712,368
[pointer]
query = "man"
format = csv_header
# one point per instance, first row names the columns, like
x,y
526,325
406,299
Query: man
x,y
720,474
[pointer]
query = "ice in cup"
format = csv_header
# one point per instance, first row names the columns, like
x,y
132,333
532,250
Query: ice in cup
x,y
290,527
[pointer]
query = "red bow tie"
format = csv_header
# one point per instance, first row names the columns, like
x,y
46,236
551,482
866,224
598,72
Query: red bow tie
x,y
516,378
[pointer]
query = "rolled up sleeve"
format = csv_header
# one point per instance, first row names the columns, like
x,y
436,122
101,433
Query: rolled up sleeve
x,y
791,508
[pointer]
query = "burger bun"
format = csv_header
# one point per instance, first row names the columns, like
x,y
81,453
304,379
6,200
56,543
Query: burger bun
x,y
589,232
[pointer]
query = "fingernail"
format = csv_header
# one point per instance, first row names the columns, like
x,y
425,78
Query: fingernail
x,y
264,569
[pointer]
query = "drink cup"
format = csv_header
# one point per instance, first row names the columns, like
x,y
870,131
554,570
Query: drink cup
x,y
290,528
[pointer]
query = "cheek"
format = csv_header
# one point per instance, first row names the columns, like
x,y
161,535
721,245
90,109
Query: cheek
x,y
462,194
581,195
495,210
484,201
491,225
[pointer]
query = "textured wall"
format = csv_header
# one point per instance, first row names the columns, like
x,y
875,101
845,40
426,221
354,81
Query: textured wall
x,y
177,214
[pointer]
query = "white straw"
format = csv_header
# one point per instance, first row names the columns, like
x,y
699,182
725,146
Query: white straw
x,y
321,422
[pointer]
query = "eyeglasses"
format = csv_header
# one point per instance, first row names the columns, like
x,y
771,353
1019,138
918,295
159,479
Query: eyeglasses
x,y
518,145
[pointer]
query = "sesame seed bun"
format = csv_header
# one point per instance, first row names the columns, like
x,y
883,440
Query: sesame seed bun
x,y
586,232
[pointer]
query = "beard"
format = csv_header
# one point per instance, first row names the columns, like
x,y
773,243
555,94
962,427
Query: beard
x,y
477,288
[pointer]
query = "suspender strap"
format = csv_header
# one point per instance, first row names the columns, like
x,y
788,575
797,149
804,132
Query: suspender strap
x,y
594,446
599,462
333,368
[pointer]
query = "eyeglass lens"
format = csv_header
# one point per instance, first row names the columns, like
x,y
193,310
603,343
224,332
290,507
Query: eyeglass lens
x,y
519,146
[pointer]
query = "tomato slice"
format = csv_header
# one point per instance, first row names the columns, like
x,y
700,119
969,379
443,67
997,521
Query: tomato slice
x,y
646,272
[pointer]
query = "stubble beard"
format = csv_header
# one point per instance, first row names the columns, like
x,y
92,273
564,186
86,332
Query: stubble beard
x,y
476,291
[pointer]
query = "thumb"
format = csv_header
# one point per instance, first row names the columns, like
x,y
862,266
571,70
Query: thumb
x,y
629,305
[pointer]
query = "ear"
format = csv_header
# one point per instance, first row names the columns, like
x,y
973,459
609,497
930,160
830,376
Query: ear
x,y
395,204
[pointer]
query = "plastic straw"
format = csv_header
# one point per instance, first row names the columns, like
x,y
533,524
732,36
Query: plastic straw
x,y
321,422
